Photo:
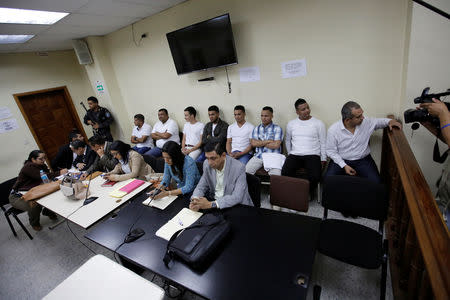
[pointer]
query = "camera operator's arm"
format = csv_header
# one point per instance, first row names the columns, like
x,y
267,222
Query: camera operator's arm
x,y
439,109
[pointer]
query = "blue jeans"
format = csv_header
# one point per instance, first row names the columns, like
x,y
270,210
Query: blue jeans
x,y
141,150
244,158
156,152
364,167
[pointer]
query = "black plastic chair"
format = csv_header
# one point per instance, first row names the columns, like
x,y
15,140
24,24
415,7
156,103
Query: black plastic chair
x,y
200,167
157,163
5,189
350,242
254,189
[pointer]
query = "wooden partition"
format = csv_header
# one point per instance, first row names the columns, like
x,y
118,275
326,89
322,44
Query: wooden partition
x,y
419,241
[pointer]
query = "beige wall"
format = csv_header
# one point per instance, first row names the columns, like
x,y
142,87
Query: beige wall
x,y
354,50
428,66
26,72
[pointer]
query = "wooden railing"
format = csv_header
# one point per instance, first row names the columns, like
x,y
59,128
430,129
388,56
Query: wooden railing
x,y
419,241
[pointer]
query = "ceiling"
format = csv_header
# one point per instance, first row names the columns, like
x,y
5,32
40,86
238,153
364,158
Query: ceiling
x,y
86,18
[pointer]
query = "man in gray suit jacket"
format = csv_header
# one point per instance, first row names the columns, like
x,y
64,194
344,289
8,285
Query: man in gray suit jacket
x,y
223,181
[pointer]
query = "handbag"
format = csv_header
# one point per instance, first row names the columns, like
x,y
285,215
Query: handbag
x,y
196,243
73,188
41,191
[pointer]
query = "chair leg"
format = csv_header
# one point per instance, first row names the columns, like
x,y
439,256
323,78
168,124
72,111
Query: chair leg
x,y
316,292
384,271
319,194
23,227
10,224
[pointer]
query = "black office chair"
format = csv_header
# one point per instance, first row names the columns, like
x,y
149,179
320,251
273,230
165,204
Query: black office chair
x,y
254,189
5,189
200,167
350,242
157,163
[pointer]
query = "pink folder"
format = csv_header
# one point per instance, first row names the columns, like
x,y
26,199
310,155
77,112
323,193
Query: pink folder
x,y
132,186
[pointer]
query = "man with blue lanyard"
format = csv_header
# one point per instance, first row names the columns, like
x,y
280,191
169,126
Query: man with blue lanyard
x,y
266,138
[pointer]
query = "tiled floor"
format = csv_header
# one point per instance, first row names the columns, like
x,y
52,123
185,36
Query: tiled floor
x,y
32,268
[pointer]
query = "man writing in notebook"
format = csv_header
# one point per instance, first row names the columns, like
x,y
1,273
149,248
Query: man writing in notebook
x,y
223,183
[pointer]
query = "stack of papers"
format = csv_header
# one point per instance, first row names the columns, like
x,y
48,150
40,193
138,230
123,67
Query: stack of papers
x,y
159,203
183,219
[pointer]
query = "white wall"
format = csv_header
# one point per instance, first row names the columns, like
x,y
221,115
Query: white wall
x,y
428,66
27,72
354,50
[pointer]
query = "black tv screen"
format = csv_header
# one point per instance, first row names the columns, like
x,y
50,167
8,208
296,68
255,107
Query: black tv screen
x,y
205,45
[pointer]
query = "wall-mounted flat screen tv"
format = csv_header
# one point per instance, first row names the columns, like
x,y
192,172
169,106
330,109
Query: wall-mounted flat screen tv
x,y
205,45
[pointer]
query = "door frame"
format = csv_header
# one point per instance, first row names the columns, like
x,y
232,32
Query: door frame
x,y
70,105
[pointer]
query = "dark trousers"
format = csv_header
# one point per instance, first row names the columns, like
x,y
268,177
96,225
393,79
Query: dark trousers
x,y
364,167
311,163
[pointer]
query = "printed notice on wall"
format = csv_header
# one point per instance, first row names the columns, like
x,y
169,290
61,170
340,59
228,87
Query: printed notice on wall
x,y
8,125
5,112
99,87
249,74
293,68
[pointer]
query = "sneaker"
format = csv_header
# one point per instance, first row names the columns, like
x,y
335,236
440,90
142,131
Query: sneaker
x,y
37,228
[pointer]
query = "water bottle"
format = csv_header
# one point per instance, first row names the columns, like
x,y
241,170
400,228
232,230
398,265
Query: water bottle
x,y
44,177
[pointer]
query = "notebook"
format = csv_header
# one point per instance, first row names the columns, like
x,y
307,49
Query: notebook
x,y
183,219
159,203
127,188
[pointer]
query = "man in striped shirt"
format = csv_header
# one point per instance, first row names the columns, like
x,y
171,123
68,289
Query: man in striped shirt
x,y
348,143
266,138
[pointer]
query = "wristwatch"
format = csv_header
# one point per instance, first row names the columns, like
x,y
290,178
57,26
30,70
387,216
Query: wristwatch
x,y
213,204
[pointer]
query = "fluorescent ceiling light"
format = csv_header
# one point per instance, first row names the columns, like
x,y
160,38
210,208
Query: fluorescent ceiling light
x,y
25,16
14,39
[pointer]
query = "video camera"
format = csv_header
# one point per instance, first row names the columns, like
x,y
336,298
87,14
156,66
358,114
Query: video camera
x,y
422,115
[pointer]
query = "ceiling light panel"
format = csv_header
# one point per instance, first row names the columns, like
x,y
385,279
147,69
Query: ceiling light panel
x,y
25,16
14,39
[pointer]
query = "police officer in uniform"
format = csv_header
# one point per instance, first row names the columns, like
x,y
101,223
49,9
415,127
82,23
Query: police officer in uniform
x,y
99,118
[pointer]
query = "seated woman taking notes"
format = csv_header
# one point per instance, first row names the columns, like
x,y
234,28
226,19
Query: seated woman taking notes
x,y
180,168
131,164
28,178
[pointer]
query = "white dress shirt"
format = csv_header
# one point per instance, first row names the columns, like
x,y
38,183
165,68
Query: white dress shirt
x,y
171,127
306,137
220,188
342,144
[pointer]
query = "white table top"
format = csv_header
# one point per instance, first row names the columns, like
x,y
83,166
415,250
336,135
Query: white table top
x,y
102,278
87,215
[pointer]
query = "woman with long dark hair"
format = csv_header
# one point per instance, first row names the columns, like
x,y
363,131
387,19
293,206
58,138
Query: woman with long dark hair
x,y
29,177
182,169
131,163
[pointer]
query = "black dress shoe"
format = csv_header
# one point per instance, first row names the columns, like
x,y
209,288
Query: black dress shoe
x,y
50,214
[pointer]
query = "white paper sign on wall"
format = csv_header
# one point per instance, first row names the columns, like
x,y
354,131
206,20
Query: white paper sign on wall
x,y
293,68
8,125
100,87
249,74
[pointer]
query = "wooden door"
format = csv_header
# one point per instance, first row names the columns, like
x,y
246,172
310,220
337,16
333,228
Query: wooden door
x,y
50,115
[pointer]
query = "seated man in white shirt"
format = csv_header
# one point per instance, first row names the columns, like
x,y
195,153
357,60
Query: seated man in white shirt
x,y
305,144
223,183
238,136
164,130
192,134
141,135
348,143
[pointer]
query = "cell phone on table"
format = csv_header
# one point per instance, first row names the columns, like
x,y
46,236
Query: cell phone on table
x,y
109,183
